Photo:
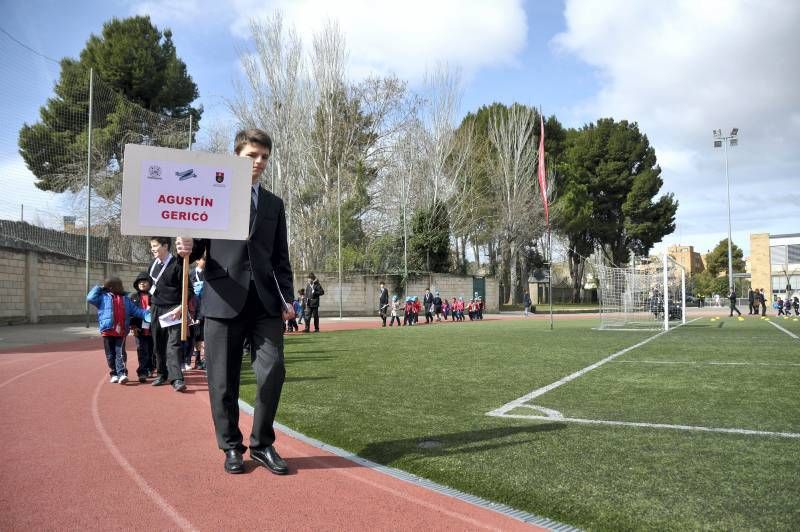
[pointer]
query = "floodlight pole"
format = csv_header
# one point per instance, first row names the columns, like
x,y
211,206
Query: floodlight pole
x,y
339,216
730,242
89,189
724,140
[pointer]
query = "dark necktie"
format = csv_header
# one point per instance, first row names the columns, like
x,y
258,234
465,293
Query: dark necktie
x,y
253,210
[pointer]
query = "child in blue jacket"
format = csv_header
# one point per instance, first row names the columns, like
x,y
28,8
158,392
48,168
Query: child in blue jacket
x,y
114,312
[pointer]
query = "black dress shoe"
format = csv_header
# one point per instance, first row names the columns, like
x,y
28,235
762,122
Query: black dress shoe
x,y
270,459
160,381
234,464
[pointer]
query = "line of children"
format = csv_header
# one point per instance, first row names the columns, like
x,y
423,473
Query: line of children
x,y
785,307
114,312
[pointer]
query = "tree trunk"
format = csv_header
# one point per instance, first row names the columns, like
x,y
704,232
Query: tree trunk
x,y
477,250
576,268
513,273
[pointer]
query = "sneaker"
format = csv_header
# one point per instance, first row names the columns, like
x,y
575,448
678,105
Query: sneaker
x,y
123,379
179,386
142,379
187,367
114,379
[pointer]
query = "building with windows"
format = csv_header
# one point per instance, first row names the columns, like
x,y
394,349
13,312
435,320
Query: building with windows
x,y
688,258
775,264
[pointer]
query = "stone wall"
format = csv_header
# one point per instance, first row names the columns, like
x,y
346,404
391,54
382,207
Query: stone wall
x,y
12,283
360,291
37,286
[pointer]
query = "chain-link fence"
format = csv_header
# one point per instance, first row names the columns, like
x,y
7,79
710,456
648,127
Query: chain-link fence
x,y
75,150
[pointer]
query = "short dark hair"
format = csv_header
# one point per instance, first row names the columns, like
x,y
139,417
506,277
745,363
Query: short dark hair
x,y
251,136
162,240
113,285
302,291
312,276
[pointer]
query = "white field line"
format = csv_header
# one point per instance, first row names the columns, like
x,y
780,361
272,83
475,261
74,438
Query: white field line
x,y
707,363
790,333
747,432
541,391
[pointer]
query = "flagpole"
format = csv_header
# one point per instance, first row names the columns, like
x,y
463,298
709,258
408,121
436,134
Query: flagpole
x,y
550,273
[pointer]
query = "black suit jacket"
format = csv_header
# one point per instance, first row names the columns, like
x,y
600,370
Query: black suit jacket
x,y
229,264
384,299
169,285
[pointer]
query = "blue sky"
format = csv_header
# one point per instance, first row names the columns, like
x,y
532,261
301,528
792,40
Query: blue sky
x,y
677,67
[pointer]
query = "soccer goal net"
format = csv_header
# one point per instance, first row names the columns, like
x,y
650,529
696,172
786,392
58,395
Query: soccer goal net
x,y
650,294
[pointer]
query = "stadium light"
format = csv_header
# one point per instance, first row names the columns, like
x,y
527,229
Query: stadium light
x,y
721,141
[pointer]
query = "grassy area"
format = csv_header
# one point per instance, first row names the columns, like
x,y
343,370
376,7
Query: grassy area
x,y
379,393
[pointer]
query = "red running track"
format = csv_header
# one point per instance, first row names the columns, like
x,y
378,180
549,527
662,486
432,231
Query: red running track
x,y
83,454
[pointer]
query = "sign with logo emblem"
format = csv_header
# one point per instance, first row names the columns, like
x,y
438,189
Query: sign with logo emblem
x,y
169,192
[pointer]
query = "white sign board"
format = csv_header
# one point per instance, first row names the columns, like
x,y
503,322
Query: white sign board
x,y
168,192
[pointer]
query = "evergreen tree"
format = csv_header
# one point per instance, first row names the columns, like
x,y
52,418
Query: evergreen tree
x,y
137,61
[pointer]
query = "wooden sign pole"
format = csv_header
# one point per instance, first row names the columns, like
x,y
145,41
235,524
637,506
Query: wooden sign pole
x,y
184,298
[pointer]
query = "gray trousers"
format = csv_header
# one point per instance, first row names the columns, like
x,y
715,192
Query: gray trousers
x,y
224,339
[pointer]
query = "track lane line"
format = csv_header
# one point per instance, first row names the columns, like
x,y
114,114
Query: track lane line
x,y
146,488
37,368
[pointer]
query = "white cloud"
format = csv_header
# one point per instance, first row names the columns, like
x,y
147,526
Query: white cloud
x,y
681,68
406,38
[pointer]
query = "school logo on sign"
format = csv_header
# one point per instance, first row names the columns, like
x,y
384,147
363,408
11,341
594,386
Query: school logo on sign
x,y
185,174
154,172
220,177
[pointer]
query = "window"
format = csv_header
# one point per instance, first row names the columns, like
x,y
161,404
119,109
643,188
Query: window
x,y
794,253
777,255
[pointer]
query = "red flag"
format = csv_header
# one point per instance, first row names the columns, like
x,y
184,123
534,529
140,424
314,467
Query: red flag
x,y
542,180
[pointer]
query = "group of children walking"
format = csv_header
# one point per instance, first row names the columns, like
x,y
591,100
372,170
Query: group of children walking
x,y
437,309
785,307
120,313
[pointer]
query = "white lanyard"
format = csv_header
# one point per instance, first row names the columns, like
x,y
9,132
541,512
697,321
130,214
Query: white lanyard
x,y
155,279
197,274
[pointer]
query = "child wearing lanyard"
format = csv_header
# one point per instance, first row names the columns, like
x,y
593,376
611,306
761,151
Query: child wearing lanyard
x,y
141,329
166,273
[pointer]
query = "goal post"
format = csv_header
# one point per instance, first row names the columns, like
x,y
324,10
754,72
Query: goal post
x,y
650,294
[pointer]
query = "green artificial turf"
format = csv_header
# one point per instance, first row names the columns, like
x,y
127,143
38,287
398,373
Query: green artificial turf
x,y
380,393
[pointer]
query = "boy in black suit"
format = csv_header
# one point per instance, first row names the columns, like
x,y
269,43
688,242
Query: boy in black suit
x,y
246,287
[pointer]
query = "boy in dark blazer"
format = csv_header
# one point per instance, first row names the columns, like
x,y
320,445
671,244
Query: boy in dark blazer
x,y
246,287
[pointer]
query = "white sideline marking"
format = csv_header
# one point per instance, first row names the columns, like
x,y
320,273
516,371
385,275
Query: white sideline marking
x,y
555,415
148,490
708,363
658,426
541,391
790,333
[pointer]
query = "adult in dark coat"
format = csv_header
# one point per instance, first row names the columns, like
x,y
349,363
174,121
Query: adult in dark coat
x,y
313,291
437,306
383,303
751,298
427,304
247,283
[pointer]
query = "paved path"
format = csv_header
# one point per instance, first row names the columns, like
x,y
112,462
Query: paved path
x,y
80,453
